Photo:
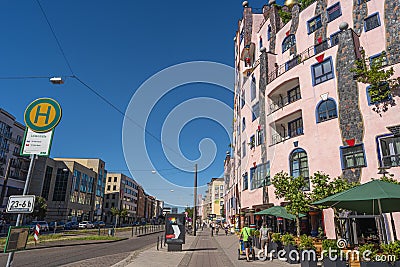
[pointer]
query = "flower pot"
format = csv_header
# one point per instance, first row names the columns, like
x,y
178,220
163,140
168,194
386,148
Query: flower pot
x,y
274,247
374,264
289,253
337,263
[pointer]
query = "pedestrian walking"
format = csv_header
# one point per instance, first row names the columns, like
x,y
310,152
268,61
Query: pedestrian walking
x,y
265,237
245,234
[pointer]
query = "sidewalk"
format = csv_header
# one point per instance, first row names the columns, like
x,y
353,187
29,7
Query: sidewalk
x,y
230,244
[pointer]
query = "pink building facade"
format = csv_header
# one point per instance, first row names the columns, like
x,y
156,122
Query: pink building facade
x,y
297,105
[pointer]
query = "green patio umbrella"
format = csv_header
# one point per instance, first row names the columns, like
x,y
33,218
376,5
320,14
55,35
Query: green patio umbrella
x,y
375,197
278,211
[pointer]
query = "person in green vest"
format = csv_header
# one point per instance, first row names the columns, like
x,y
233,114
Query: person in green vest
x,y
245,234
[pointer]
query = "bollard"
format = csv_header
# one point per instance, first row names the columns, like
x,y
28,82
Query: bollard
x,y
136,230
132,231
158,240
161,241
99,230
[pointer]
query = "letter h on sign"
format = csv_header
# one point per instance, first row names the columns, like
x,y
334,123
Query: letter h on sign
x,y
39,114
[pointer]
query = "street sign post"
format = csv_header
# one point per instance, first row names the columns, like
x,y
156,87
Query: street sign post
x,y
20,204
41,116
36,143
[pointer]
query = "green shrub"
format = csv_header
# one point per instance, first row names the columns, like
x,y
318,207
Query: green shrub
x,y
276,237
306,243
392,249
330,244
368,247
288,239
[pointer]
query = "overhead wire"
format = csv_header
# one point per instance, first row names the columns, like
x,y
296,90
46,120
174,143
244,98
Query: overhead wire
x,y
95,91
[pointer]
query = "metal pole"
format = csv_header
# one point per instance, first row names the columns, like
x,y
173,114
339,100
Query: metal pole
x,y
19,218
195,201
384,236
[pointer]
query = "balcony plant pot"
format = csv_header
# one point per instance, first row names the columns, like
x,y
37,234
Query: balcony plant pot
x,y
337,263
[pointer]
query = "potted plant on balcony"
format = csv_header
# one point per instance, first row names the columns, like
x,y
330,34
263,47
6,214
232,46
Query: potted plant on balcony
x,y
308,255
368,256
275,245
392,250
331,255
290,249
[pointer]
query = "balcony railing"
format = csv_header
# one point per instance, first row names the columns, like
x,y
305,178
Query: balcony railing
x,y
278,138
284,101
306,54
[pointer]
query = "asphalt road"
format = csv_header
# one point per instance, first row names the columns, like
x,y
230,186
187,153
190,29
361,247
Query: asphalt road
x,y
101,254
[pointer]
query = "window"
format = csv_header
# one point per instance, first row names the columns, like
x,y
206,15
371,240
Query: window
x,y
221,187
292,63
288,42
84,182
376,96
326,110
252,141
298,163
241,35
334,38
260,176
334,12
295,127
242,100
245,181
46,182
390,148
114,187
269,31
353,156
322,72
314,24
113,196
378,60
253,88
372,22
294,94
259,137
108,187
255,111
318,48
243,149
60,187
109,179
243,124
261,42
115,179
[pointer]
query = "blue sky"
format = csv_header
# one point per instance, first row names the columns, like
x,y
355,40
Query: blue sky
x,y
114,46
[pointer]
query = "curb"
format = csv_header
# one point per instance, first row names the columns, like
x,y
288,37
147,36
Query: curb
x,y
79,244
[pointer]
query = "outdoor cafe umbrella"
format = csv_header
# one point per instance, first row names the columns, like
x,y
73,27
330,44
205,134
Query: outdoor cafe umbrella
x,y
278,211
374,198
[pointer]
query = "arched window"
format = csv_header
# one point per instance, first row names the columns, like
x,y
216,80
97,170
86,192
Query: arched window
x,y
299,165
288,42
243,124
326,110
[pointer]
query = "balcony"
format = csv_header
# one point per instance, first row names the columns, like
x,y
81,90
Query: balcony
x,y
297,59
286,128
284,95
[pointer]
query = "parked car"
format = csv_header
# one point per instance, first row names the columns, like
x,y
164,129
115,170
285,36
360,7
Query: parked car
x,y
60,226
44,227
86,225
99,224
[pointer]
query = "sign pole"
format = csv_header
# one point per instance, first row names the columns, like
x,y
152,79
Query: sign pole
x,y
19,218
195,201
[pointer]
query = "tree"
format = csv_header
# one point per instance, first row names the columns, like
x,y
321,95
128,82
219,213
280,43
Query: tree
x,y
189,212
123,213
291,189
40,209
382,84
115,213
324,187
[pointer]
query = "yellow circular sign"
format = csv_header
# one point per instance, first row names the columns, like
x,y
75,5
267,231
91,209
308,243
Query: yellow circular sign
x,y
42,115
